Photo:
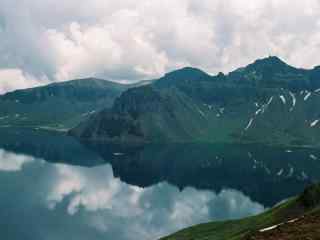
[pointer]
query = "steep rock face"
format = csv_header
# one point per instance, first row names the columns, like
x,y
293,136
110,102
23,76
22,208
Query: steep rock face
x,y
145,114
267,102
122,121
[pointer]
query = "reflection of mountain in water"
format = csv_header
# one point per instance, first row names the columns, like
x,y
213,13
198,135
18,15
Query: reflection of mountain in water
x,y
51,146
266,174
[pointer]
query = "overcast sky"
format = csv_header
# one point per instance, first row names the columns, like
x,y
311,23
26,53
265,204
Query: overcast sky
x,y
126,40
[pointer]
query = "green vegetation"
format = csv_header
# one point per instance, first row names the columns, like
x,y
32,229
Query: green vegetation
x,y
58,105
267,102
305,204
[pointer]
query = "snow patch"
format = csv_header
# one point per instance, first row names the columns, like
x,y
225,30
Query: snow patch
x,y
307,96
270,100
118,154
313,157
314,123
264,107
278,225
280,172
283,99
270,228
258,111
293,220
249,124
294,101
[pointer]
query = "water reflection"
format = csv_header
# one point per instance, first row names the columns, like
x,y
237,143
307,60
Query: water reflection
x,y
13,162
266,174
93,191
58,201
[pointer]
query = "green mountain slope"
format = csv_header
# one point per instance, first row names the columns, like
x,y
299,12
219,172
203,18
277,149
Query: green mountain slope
x,y
302,208
268,102
58,105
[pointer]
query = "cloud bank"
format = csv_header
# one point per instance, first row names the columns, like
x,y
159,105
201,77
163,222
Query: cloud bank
x,y
125,40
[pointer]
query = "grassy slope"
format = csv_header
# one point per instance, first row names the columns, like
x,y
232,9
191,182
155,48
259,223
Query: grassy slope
x,y
306,204
235,229
58,105
306,227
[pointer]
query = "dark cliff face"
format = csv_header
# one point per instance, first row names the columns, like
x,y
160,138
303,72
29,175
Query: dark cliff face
x,y
140,114
268,101
137,101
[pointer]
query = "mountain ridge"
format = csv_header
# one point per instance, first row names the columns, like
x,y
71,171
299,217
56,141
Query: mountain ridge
x,y
190,105
60,105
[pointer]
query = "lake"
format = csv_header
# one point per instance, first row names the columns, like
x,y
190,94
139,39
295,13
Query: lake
x,y
54,187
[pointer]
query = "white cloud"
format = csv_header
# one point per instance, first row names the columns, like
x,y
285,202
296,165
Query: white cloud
x,y
11,162
92,203
129,40
151,212
14,78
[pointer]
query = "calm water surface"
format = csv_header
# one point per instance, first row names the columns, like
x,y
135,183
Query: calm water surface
x,y
53,187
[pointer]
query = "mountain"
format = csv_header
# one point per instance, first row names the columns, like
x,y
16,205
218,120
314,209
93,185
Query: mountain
x,y
297,218
58,105
267,101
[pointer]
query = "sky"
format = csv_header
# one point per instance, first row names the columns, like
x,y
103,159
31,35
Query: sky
x,y
43,41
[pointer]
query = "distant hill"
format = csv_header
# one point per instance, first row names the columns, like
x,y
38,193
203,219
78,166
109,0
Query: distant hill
x,y
267,101
58,105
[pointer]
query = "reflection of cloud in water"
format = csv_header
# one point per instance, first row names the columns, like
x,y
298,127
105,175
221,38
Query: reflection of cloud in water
x,y
113,206
68,202
13,162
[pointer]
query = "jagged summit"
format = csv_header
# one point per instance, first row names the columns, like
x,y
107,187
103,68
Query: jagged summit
x,y
267,101
273,72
